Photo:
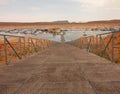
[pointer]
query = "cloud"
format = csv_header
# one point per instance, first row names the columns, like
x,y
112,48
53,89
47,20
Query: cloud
x,y
50,10
93,2
4,2
98,9
20,17
99,3
35,8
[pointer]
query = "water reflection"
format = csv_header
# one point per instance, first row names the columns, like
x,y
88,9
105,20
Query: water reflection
x,y
69,35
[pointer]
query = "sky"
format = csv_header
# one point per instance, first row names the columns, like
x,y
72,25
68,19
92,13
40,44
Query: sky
x,y
54,10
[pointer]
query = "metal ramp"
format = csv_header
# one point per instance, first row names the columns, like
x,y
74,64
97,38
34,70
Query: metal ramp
x,y
61,69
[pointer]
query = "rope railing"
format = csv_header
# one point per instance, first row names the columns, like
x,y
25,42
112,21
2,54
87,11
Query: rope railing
x,y
17,47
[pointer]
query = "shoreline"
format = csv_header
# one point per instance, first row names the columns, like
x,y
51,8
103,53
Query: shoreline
x,y
106,24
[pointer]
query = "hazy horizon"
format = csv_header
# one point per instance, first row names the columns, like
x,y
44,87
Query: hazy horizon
x,y
57,10
58,21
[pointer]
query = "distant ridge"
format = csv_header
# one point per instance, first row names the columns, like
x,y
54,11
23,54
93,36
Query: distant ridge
x,y
63,21
61,24
105,21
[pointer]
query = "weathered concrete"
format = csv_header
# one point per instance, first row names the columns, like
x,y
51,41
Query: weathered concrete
x,y
63,69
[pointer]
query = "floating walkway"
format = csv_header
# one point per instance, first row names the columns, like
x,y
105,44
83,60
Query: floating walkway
x,y
62,69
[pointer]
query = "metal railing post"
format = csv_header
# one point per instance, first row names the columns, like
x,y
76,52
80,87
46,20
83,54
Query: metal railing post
x,y
36,44
31,46
89,45
100,46
97,44
20,47
28,47
24,46
113,47
5,50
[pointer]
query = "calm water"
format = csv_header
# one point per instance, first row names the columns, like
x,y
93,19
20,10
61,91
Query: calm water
x,y
69,35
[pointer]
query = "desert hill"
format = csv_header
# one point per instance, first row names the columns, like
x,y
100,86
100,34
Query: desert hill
x,y
60,24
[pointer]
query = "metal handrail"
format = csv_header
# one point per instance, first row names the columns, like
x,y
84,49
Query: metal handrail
x,y
31,44
12,35
88,42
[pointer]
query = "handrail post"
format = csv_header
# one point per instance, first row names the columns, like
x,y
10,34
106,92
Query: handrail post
x,y
112,47
89,44
101,45
97,44
20,47
28,47
36,45
93,44
31,45
5,50
24,46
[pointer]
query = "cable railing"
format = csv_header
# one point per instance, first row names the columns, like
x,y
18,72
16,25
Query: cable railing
x,y
100,45
17,47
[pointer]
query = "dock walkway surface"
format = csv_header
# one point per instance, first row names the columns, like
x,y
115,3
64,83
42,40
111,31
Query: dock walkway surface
x,y
62,69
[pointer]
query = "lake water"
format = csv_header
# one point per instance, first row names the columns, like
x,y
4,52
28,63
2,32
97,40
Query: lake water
x,y
69,35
